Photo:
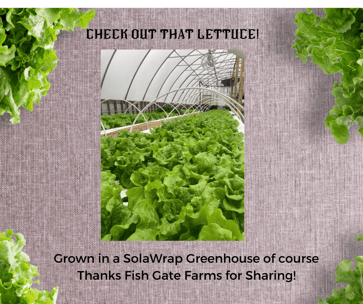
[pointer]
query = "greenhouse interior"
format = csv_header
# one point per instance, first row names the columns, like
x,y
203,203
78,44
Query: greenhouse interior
x,y
172,145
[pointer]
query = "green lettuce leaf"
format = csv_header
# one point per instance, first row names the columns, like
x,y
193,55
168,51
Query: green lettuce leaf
x,y
353,293
27,37
185,181
16,274
335,43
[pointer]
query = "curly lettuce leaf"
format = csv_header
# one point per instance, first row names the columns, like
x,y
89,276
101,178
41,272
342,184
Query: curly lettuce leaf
x,y
353,293
113,210
16,274
185,181
27,37
335,44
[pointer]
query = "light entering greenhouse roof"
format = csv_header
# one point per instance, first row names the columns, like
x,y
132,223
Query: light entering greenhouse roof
x,y
144,75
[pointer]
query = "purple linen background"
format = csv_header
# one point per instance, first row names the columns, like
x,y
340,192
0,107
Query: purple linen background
x,y
303,190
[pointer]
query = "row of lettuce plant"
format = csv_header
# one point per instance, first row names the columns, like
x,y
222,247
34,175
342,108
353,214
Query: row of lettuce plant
x,y
122,119
185,181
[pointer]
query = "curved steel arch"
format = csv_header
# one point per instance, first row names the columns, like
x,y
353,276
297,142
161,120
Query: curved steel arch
x,y
198,105
189,84
147,89
228,63
227,99
108,65
198,57
200,78
143,108
189,94
196,80
193,71
132,80
222,74
175,107
170,74
213,101
188,66
147,123
231,105
218,64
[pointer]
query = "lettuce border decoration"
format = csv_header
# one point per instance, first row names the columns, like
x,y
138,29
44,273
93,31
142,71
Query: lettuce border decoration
x,y
353,293
335,44
27,37
16,274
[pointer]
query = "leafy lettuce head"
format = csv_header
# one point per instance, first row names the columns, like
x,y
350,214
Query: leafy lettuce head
x,y
27,36
16,274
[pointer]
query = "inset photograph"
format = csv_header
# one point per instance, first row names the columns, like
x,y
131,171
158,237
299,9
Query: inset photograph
x,y
172,145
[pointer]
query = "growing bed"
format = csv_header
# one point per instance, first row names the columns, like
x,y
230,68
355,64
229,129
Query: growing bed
x,y
140,127
185,181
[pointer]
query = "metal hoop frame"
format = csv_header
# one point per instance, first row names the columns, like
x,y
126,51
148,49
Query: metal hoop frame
x,y
232,103
131,104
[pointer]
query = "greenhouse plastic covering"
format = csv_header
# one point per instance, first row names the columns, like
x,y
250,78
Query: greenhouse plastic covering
x,y
144,75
